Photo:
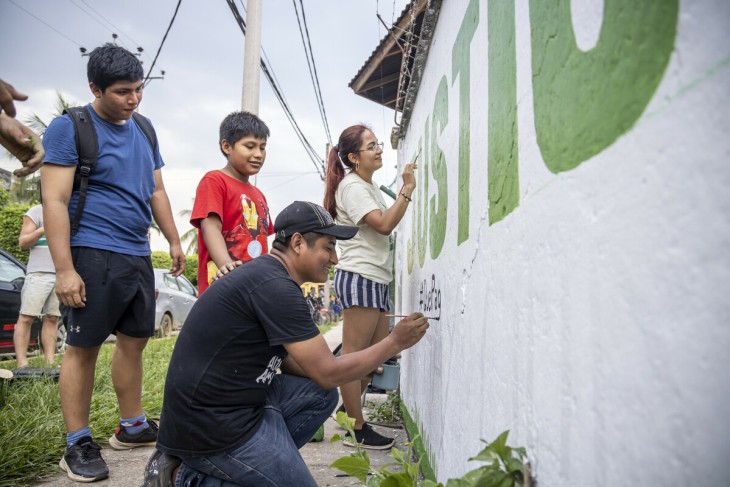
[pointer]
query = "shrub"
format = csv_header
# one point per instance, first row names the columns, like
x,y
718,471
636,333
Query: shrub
x,y
11,221
191,269
161,260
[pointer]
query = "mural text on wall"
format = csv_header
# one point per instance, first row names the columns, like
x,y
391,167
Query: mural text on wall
x,y
583,102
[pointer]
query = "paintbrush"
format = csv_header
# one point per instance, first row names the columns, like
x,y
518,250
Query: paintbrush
x,y
406,316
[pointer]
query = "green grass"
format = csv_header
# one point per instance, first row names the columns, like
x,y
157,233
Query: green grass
x,y
32,432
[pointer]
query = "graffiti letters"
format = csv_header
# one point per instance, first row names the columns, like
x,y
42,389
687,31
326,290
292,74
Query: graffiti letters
x,y
583,102
429,296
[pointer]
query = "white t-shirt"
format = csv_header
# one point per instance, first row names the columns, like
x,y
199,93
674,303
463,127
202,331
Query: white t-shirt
x,y
39,258
368,253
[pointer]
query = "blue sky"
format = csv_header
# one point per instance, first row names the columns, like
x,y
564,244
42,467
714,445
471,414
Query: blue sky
x,y
203,61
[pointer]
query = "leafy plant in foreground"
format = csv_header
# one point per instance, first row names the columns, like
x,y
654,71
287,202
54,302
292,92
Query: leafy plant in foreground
x,y
504,465
358,464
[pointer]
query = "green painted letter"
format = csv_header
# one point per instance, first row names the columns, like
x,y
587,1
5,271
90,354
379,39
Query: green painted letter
x,y
504,195
584,101
422,202
438,206
460,59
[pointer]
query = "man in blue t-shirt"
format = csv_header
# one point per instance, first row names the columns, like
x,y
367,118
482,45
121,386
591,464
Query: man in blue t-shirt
x,y
228,417
104,276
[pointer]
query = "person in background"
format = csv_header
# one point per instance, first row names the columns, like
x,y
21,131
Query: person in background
x,y
365,268
230,213
104,276
18,139
38,297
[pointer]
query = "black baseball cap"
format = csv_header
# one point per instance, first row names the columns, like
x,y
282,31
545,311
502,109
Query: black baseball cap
x,y
303,216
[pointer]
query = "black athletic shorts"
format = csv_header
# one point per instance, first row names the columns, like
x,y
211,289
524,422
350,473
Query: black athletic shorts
x,y
120,296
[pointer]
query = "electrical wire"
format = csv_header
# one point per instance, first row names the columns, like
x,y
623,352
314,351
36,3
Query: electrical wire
x,y
114,29
309,149
46,24
172,21
274,83
312,67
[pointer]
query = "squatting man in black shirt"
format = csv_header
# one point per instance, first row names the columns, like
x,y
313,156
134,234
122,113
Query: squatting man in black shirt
x,y
228,418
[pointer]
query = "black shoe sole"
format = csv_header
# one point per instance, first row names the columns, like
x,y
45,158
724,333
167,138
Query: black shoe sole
x,y
121,445
349,442
79,478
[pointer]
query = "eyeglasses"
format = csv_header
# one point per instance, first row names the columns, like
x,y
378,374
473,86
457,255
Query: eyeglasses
x,y
374,147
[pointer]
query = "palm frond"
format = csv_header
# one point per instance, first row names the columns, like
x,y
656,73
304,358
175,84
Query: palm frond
x,y
191,239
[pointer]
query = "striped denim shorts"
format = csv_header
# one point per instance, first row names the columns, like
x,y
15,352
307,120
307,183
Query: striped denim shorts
x,y
355,290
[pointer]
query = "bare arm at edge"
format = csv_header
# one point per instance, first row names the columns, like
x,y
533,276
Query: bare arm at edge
x,y
57,185
162,213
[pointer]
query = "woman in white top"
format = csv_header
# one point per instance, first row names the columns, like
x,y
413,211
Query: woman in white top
x,y
365,267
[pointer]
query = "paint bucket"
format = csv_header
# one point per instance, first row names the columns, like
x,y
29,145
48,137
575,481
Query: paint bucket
x,y
388,380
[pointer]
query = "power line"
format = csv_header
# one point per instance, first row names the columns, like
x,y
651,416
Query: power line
x,y
46,24
283,183
312,67
274,83
106,27
113,28
108,21
146,80
311,152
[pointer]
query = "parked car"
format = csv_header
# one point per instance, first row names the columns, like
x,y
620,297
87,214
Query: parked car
x,y
174,297
12,278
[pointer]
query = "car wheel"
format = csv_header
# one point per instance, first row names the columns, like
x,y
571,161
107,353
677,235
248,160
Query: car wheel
x,y
61,338
165,329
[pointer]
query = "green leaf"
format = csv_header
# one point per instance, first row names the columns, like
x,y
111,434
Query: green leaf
x,y
413,469
473,476
336,437
514,465
397,454
345,421
494,479
356,466
374,481
521,452
487,455
457,483
397,479
500,447
431,483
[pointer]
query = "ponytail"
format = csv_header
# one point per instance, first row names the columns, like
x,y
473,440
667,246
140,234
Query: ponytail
x,y
335,174
337,160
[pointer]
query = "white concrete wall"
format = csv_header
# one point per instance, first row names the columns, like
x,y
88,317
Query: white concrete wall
x,y
593,320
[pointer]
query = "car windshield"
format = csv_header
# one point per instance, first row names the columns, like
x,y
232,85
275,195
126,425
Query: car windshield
x,y
9,270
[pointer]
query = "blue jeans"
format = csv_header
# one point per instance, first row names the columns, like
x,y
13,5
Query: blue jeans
x,y
295,408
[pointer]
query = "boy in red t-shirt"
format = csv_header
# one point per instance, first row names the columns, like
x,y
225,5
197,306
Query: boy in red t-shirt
x,y
231,215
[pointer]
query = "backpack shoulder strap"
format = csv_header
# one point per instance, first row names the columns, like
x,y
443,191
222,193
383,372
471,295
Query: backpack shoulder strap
x,y
146,127
87,146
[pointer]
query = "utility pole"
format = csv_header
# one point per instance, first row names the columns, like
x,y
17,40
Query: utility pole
x,y
327,283
252,58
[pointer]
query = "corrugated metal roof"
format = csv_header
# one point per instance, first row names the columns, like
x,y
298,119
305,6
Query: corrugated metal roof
x,y
384,78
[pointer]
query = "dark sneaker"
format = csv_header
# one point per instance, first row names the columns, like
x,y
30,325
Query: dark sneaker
x,y
121,440
82,462
369,439
160,467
